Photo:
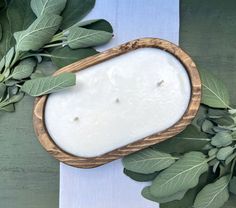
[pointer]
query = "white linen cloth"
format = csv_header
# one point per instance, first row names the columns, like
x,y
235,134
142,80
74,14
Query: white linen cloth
x,y
107,186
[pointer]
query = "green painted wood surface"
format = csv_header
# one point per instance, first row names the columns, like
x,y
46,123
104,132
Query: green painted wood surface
x,y
29,176
208,34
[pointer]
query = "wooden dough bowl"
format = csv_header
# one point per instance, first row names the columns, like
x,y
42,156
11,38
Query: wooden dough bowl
x,y
65,157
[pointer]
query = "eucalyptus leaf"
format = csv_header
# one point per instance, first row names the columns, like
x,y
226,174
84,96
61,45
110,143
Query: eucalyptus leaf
x,y
224,121
232,185
13,99
82,38
147,194
64,56
214,92
213,195
24,69
222,139
215,166
2,77
230,158
212,152
41,7
75,10
190,139
139,176
38,33
182,175
148,161
2,64
217,113
47,85
224,152
11,82
207,127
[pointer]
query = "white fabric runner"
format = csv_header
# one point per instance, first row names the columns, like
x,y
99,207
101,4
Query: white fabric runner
x,y
107,186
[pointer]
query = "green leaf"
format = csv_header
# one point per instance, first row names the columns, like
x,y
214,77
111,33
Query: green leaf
x,y
212,152
1,32
13,99
222,139
47,85
230,158
75,11
214,92
2,63
207,127
24,69
217,113
41,7
38,33
139,176
5,43
147,161
213,195
215,166
191,139
231,202
9,56
224,121
224,152
190,196
96,24
232,185
147,194
2,90
82,38
8,108
11,82
64,56
182,175
20,16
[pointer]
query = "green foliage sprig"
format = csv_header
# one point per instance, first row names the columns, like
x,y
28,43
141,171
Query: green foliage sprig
x,y
35,32
197,167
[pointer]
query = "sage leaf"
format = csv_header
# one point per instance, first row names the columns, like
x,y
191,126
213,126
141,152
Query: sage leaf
x,y
222,139
24,69
96,24
2,64
224,152
38,33
13,99
41,7
212,152
232,185
224,121
20,16
147,194
5,43
231,202
213,195
9,56
82,38
191,139
75,10
2,90
148,161
0,32
8,108
215,166
217,113
214,92
11,82
139,176
64,56
182,175
46,85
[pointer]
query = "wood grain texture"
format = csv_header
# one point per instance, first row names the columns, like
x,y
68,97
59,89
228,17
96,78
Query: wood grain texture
x,y
82,162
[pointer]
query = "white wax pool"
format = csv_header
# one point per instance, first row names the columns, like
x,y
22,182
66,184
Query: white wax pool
x,y
118,102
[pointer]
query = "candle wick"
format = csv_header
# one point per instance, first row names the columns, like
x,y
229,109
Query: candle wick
x,y
76,118
160,83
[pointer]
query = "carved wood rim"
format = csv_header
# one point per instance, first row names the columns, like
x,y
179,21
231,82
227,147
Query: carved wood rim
x,y
82,162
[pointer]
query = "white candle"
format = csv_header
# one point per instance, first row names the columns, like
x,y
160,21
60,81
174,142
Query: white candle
x,y
117,102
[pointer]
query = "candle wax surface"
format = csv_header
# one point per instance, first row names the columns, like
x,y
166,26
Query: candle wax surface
x,y
118,101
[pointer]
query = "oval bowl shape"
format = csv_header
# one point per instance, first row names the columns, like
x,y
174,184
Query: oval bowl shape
x,y
80,156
